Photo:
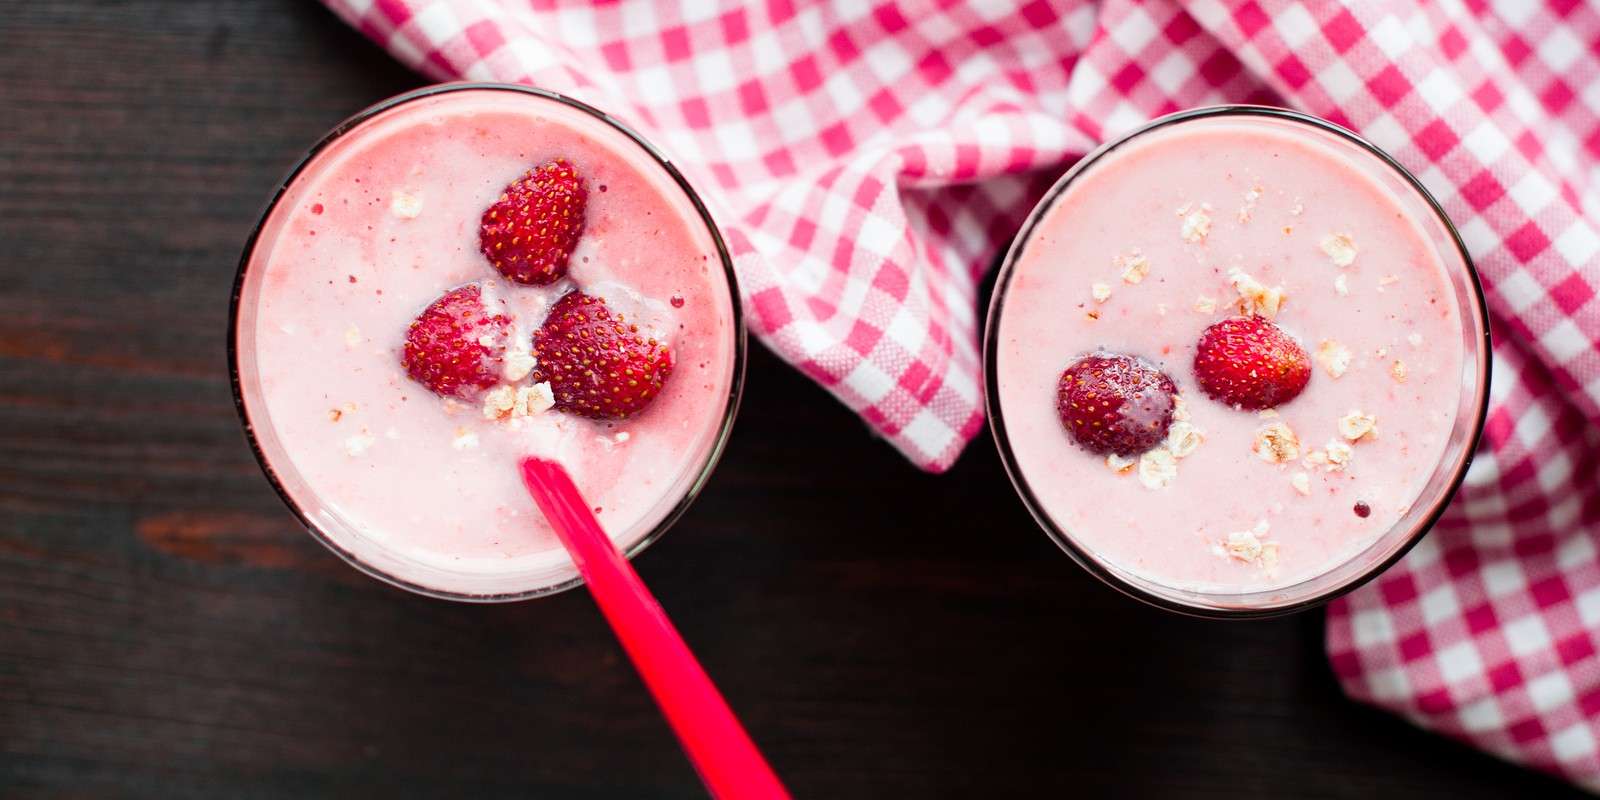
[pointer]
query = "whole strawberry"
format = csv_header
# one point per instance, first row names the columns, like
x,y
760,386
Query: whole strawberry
x,y
598,365
528,234
455,346
1251,363
1112,403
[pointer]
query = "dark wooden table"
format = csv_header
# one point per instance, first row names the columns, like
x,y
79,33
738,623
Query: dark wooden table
x,y
167,631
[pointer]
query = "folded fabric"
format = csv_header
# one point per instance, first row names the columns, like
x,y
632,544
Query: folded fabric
x,y
867,160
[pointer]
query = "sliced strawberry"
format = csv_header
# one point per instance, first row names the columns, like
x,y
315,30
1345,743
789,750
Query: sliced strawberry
x,y
455,346
598,365
528,234
1112,403
1251,363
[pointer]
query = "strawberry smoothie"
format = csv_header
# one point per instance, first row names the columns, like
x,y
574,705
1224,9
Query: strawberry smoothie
x,y
467,276
1232,355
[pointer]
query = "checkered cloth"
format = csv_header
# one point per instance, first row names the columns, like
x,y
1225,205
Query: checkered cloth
x,y
867,160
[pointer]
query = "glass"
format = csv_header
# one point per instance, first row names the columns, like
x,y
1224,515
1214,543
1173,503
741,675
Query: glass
x,y
296,493
1441,485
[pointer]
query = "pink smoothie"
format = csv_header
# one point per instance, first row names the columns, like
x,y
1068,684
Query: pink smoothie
x,y
384,220
1180,228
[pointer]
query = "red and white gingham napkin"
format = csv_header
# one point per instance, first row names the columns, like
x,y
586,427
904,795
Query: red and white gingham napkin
x,y
866,161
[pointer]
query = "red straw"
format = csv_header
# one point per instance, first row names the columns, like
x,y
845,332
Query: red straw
x,y
728,762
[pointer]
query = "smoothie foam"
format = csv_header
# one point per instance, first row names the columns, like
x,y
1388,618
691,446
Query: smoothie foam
x,y
385,219
1187,225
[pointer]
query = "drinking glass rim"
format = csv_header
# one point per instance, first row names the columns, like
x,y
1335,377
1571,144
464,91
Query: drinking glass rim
x,y
1080,554
740,343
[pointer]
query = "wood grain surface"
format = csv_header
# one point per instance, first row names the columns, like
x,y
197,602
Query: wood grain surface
x,y
167,631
